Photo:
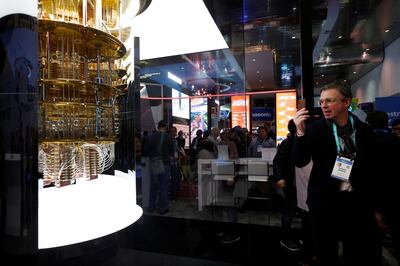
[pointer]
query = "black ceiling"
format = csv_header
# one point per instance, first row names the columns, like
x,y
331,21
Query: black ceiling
x,y
355,45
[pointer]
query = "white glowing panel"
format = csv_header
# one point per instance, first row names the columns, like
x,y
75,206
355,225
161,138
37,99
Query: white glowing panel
x,y
180,104
88,210
28,7
176,27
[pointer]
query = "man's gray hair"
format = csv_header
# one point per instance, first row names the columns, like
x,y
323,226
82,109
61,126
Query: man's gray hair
x,y
342,87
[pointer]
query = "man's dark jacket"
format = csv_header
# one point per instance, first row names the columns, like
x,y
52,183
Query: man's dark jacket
x,y
318,144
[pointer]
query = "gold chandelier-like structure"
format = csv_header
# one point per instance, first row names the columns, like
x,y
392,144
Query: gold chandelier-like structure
x,y
80,83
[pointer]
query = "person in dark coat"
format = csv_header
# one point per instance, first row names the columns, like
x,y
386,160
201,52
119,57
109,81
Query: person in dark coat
x,y
161,152
388,148
341,195
284,175
396,127
181,140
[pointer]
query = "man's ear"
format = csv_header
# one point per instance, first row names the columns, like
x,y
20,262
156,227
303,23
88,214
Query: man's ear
x,y
347,102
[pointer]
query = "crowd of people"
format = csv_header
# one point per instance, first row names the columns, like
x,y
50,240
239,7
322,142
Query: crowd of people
x,y
351,185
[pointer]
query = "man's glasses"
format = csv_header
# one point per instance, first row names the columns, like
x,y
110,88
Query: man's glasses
x,y
328,101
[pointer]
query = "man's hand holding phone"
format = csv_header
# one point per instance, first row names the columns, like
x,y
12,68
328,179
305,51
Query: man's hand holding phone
x,y
299,120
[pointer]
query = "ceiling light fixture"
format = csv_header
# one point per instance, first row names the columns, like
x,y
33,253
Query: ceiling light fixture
x,y
364,55
174,78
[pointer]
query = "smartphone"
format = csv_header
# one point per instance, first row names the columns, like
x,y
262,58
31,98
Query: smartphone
x,y
301,104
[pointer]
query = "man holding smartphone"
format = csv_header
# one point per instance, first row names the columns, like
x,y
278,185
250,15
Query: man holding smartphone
x,y
340,191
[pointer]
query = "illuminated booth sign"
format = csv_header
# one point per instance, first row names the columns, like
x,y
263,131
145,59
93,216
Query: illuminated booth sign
x,y
285,110
241,111
390,105
262,114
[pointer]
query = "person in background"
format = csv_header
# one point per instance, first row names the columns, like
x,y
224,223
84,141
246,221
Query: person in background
x,y
388,183
206,150
230,233
145,140
270,127
214,139
195,146
138,147
232,150
341,195
160,151
181,140
396,127
175,173
261,141
284,174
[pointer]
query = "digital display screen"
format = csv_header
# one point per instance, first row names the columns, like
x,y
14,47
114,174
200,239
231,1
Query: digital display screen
x,y
180,104
224,111
198,116
286,75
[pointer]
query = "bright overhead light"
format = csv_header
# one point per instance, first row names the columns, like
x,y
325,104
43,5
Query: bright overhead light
x,y
387,31
18,7
354,72
293,37
340,37
364,55
176,27
174,78
328,59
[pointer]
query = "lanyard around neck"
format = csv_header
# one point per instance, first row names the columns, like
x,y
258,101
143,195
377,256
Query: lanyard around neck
x,y
353,138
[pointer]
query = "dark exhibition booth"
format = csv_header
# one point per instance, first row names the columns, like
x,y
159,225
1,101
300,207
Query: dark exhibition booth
x,y
92,91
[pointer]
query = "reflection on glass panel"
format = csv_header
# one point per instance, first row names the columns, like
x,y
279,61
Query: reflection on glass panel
x,y
232,95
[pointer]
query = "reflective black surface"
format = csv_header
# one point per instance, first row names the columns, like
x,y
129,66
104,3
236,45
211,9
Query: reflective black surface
x,y
18,133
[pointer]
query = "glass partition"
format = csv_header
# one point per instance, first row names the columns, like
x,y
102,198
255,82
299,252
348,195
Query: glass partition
x,y
229,108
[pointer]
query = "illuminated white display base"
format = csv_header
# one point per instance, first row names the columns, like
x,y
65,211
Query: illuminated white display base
x,y
87,210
